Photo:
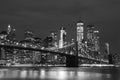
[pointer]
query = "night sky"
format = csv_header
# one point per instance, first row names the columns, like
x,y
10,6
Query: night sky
x,y
43,16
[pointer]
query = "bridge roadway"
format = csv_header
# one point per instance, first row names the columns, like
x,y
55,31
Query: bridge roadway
x,y
50,51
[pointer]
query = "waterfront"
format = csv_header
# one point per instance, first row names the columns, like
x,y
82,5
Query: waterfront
x,y
61,73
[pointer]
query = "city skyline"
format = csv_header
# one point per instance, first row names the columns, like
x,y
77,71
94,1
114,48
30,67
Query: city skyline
x,y
88,48
59,34
50,15
59,39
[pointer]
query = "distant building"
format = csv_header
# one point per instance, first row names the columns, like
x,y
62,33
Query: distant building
x,y
9,29
80,31
3,35
47,42
93,38
96,40
90,33
38,42
7,37
28,56
2,53
29,35
53,34
107,50
90,37
62,37
11,33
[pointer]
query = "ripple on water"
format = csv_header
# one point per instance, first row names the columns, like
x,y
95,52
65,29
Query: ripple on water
x,y
62,73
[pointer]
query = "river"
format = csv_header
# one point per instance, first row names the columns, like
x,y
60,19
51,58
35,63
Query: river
x,y
61,73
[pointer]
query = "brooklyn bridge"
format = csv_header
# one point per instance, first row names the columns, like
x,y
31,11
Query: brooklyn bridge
x,y
71,53
33,50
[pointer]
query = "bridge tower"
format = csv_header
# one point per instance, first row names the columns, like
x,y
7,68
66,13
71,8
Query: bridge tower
x,y
110,58
72,61
2,53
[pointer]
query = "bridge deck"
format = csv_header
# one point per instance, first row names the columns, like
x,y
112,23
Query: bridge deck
x,y
49,51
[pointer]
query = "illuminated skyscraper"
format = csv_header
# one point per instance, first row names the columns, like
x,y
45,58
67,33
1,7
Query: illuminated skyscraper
x,y
9,29
90,33
80,31
96,40
3,35
62,37
107,50
93,38
11,33
53,34
29,35
90,37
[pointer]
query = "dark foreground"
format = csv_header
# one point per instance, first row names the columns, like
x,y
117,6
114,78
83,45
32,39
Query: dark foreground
x,y
61,73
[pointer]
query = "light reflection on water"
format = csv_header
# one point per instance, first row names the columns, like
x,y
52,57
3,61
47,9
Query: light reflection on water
x,y
61,73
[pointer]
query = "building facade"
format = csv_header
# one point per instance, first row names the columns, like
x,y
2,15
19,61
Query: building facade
x,y
80,31
62,37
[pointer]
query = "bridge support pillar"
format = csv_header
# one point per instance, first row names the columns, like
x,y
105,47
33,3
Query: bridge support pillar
x,y
0,53
71,61
110,59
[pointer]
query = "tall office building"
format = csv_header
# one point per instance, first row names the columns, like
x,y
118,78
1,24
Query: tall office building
x,y
90,33
90,37
11,33
9,29
96,41
53,34
62,37
93,38
3,35
29,35
107,49
80,31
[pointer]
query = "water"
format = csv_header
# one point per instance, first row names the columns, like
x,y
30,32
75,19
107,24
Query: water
x,y
61,73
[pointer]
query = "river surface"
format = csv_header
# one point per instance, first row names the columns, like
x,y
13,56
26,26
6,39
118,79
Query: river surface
x,y
61,73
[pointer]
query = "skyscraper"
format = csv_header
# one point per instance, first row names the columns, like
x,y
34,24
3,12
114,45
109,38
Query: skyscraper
x,y
107,50
62,37
80,31
93,38
9,29
53,34
96,40
90,33
3,35
29,35
90,37
11,33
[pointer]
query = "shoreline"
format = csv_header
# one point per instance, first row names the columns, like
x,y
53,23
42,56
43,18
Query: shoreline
x,y
42,66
